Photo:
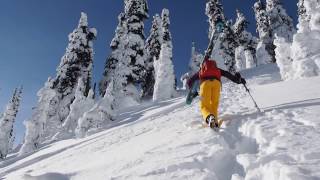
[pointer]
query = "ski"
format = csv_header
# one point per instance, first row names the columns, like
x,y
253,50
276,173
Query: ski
x,y
193,91
220,122
196,124
214,37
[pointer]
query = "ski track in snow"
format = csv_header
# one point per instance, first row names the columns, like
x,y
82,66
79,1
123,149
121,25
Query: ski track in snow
x,y
159,140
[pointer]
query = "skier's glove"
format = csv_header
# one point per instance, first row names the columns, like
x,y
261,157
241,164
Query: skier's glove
x,y
195,94
238,75
189,83
243,81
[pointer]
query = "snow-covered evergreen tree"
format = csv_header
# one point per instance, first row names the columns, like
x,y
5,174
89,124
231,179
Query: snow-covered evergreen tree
x,y
7,120
251,60
306,45
117,47
154,41
312,12
153,48
240,25
246,40
304,18
165,26
300,58
194,65
196,60
118,94
280,23
165,80
164,87
261,15
227,41
130,51
283,55
56,97
80,105
228,47
265,48
35,127
100,115
77,61
240,58
136,11
214,11
251,44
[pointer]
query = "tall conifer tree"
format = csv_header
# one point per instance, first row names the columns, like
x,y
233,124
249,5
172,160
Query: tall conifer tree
x,y
246,40
117,46
265,49
165,80
56,97
7,120
280,23
129,53
153,48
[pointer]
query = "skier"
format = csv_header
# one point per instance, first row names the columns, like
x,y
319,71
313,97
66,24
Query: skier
x,y
210,86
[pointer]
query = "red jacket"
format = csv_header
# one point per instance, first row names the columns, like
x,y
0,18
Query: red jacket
x,y
224,73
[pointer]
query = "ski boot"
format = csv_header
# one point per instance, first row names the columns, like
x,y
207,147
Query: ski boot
x,y
212,122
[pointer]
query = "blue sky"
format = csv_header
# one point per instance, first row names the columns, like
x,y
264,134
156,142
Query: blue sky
x,y
33,37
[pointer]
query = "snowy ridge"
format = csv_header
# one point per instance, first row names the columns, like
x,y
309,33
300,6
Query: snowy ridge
x,y
165,140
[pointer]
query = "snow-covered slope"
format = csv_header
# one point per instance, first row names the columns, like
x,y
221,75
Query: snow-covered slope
x,y
166,141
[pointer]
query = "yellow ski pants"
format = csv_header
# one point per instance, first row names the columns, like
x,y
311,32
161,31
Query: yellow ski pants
x,y
209,98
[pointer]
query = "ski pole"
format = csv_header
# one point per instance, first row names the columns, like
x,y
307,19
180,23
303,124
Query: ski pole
x,y
255,103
